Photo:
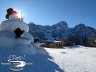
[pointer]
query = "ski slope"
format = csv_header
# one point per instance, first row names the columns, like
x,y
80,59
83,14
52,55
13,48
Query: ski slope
x,y
74,59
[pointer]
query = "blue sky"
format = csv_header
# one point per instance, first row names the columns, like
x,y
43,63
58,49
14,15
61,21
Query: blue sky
x,y
48,12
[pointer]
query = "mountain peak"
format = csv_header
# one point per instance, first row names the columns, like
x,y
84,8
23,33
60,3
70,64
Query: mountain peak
x,y
80,27
60,25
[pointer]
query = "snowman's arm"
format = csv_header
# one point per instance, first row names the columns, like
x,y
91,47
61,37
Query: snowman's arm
x,y
18,32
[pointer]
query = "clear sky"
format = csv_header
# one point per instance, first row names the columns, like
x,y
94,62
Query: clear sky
x,y
48,12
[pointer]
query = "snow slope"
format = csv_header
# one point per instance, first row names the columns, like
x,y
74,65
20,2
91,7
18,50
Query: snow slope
x,y
74,59
23,51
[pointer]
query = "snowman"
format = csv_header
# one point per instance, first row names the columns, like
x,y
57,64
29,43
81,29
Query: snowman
x,y
15,21
14,29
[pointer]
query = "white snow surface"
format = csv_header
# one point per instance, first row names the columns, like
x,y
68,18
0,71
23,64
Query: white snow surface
x,y
74,59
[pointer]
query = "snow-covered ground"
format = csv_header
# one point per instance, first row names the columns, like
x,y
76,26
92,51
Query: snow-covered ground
x,y
74,59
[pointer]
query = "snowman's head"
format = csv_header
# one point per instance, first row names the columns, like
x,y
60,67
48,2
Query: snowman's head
x,y
13,15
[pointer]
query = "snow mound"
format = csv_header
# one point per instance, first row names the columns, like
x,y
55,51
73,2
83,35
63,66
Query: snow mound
x,y
22,45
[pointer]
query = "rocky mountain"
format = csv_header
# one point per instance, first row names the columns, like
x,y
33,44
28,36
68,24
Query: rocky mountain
x,y
56,31
80,34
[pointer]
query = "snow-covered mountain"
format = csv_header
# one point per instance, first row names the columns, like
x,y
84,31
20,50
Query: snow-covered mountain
x,y
81,34
56,31
60,31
